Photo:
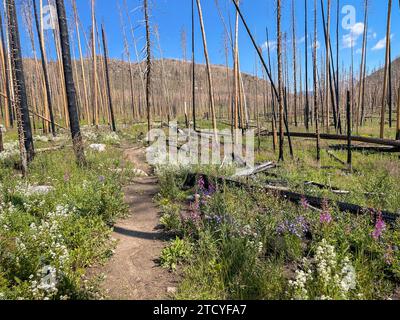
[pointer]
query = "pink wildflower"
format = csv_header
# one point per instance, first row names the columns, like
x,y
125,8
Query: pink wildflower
x,y
380,227
304,203
326,217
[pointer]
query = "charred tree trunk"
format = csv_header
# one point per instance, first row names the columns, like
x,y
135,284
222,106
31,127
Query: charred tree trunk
x,y
193,71
363,67
349,126
273,118
390,95
110,103
294,39
280,81
398,116
148,64
316,109
275,93
328,67
69,84
19,81
307,106
338,112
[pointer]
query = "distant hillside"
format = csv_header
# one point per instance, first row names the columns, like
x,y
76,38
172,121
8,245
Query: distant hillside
x,y
376,77
172,85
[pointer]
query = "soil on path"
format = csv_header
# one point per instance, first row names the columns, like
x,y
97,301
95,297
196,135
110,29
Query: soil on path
x,y
134,272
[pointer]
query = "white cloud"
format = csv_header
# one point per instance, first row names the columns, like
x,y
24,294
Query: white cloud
x,y
372,34
269,44
381,44
350,40
301,40
272,44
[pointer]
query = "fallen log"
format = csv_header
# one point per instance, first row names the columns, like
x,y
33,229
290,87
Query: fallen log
x,y
296,198
335,157
325,136
366,148
324,187
247,172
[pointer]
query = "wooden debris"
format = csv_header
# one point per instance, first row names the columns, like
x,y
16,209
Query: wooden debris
x,y
296,198
324,136
253,171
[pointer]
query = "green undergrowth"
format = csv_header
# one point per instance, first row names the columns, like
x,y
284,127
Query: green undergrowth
x,y
247,244
57,223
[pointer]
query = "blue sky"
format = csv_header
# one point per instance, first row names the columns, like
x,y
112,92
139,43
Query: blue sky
x,y
171,16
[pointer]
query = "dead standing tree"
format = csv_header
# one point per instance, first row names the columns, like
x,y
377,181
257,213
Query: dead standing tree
x,y
94,74
275,92
315,94
210,80
148,64
193,71
294,39
328,83
69,83
5,65
280,80
361,98
398,116
135,111
385,80
235,77
21,100
85,90
110,102
44,67
307,106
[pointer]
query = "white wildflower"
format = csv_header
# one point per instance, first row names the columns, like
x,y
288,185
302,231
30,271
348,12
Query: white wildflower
x,y
98,147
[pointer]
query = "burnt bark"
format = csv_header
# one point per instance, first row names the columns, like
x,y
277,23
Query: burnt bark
x,y
19,80
69,84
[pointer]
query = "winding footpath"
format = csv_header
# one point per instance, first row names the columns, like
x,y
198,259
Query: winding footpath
x,y
134,272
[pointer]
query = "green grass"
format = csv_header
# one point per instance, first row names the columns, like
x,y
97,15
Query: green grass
x,y
373,183
240,251
240,254
47,241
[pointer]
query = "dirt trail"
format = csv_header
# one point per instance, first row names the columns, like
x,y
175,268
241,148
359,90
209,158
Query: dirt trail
x,y
134,272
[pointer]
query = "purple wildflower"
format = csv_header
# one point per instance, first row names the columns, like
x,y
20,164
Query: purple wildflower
x,y
297,227
205,193
325,217
302,224
210,191
201,183
202,187
194,216
380,227
215,219
304,203
102,179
